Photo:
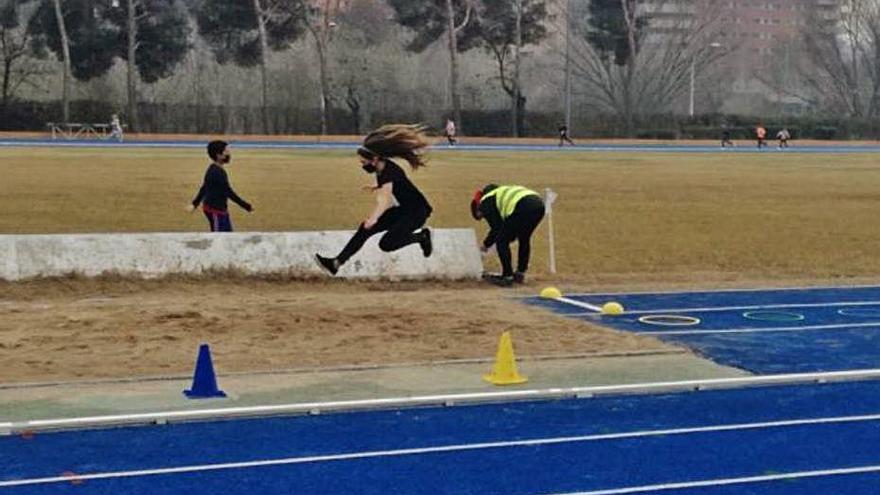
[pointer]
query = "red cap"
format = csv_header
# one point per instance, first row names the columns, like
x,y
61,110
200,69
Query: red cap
x,y
475,204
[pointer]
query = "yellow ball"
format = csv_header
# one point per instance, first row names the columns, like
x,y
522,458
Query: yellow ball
x,y
612,308
550,293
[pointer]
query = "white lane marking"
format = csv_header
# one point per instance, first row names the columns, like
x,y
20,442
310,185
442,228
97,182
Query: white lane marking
x,y
730,481
444,448
763,330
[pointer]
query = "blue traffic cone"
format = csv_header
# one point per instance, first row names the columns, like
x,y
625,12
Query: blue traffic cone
x,y
204,384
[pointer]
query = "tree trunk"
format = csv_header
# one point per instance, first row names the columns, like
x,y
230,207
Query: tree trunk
x,y
197,88
325,83
131,65
628,107
65,51
7,77
629,104
521,115
568,64
322,39
515,96
453,68
264,55
354,105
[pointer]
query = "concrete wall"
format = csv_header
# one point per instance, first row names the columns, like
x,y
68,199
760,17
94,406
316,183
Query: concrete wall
x,y
456,255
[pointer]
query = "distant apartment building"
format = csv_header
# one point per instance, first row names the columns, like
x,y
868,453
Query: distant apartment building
x,y
759,33
759,27
755,27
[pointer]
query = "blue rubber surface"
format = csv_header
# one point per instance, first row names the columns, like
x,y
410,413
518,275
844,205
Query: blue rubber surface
x,y
563,467
335,145
664,300
762,331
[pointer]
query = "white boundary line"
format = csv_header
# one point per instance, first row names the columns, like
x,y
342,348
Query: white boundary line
x,y
715,291
733,308
763,330
708,309
731,481
9,428
868,313
446,448
754,307
591,307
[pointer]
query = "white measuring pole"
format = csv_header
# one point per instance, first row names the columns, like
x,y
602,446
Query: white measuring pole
x,y
549,198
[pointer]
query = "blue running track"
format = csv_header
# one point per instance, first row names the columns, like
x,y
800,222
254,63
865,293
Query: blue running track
x,y
762,331
804,439
339,145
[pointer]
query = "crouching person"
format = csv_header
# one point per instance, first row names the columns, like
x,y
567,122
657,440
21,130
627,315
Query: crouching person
x,y
513,213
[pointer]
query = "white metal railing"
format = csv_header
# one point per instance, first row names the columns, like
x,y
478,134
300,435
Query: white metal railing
x,y
9,428
77,130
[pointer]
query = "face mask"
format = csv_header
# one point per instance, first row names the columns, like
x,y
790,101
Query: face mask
x,y
227,158
368,168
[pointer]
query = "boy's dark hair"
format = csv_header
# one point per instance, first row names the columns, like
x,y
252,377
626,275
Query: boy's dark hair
x,y
215,148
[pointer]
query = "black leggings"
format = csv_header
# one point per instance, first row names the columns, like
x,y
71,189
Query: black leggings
x,y
519,226
400,225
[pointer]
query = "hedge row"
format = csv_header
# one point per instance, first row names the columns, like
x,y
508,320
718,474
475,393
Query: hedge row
x,y
181,118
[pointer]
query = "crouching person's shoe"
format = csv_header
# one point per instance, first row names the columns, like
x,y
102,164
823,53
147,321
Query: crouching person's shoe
x,y
499,280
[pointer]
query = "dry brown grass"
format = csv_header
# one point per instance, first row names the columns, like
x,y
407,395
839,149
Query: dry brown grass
x,y
624,221
654,216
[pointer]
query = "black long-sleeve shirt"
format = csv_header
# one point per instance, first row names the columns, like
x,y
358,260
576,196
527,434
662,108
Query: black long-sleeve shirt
x,y
490,212
216,190
404,191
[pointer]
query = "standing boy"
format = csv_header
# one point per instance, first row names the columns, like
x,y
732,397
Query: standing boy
x,y
216,190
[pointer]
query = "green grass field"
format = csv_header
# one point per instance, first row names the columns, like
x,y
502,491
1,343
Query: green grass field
x,y
692,216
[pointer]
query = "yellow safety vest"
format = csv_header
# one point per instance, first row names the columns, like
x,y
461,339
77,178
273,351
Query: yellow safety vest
x,y
506,198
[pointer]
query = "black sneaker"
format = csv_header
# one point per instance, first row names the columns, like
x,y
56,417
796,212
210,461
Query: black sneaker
x,y
499,280
519,277
329,265
427,241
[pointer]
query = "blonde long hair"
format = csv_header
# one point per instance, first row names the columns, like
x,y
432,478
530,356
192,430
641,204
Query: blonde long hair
x,y
405,141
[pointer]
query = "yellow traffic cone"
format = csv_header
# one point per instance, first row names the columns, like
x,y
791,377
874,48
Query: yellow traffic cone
x,y
504,372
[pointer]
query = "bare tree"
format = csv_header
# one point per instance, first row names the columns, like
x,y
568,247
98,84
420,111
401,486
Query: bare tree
x,y
243,32
841,67
643,63
65,55
16,53
260,14
321,24
155,36
517,93
431,20
363,47
503,28
452,30
131,62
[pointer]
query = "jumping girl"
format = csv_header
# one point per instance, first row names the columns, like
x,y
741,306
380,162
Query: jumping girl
x,y
401,209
